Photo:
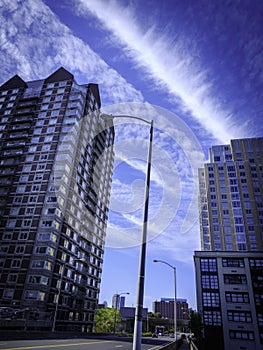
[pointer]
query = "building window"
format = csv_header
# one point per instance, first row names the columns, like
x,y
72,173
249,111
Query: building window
x,y
23,235
34,295
239,316
259,299
43,156
12,278
17,200
38,177
11,223
41,167
260,319
233,262
232,297
4,249
211,299
32,149
209,282
24,178
208,265
241,246
256,262
46,223
51,130
32,199
45,250
37,131
52,199
26,223
7,236
47,237
41,264
244,335
38,279
212,318
16,263
2,262
8,293
29,210
41,250
35,140
42,115
235,279
45,147
20,249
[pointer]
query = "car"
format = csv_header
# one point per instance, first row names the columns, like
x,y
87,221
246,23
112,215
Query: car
x,y
6,312
154,335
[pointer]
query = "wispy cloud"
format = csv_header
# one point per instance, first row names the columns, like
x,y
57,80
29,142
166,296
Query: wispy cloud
x,y
176,156
153,53
34,43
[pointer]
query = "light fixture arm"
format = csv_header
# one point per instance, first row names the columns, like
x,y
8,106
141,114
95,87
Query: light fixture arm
x,y
175,309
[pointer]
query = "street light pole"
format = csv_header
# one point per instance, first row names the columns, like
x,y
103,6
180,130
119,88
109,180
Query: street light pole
x,y
174,268
141,273
137,336
117,296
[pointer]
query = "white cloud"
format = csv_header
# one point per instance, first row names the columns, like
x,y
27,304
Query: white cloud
x,y
176,157
154,53
34,43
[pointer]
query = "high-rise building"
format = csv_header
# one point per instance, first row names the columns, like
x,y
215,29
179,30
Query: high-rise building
x,y
231,188
229,269
118,301
55,174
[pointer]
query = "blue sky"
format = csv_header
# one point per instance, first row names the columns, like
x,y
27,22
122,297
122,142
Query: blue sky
x,y
195,67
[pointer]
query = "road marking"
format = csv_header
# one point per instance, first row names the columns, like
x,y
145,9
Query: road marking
x,y
58,345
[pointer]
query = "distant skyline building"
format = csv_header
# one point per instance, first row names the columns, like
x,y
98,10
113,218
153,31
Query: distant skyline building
x,y
118,301
128,317
55,175
166,308
229,269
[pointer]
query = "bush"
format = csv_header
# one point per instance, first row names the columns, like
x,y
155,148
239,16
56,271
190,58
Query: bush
x,y
147,334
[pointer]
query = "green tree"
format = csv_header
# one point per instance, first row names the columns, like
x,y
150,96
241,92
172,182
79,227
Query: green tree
x,y
105,319
195,324
156,319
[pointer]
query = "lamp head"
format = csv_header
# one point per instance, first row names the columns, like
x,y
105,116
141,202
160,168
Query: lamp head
x,y
106,116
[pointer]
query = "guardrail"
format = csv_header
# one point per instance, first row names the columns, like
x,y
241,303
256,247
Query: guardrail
x,y
192,345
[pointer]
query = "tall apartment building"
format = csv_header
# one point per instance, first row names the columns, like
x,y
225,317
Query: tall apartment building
x,y
229,269
55,173
231,188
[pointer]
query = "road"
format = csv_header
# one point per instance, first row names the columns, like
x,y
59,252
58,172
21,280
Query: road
x,y
71,344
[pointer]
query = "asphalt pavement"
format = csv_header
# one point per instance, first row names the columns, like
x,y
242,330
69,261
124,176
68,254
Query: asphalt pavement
x,y
73,344
185,346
